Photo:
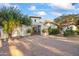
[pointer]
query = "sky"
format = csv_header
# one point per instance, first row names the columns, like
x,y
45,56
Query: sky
x,y
45,10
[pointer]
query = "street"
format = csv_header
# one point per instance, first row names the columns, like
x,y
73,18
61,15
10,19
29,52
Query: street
x,y
43,46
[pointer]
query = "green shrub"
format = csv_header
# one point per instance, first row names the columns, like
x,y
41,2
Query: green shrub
x,y
29,31
53,31
69,32
44,30
77,31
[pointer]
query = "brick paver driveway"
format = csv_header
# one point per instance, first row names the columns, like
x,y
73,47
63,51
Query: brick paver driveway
x,y
45,46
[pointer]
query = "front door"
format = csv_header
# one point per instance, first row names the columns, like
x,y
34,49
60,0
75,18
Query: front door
x,y
36,29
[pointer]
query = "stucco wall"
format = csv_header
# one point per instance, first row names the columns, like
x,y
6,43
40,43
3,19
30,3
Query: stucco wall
x,y
19,31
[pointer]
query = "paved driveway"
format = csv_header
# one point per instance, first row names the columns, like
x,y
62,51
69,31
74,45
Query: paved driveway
x,y
45,46
50,45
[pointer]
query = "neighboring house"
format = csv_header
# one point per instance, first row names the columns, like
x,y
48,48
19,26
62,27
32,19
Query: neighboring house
x,y
68,26
46,24
50,23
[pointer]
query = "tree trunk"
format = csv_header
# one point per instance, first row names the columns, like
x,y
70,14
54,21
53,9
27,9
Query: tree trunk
x,y
10,36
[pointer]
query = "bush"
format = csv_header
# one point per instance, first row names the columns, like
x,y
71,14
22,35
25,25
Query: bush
x,y
69,32
44,30
77,31
53,31
29,31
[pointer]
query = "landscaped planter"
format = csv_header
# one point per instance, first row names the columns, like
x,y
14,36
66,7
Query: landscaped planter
x,y
53,31
44,32
29,31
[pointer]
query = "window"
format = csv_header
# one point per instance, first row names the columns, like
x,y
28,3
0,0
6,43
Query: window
x,y
35,20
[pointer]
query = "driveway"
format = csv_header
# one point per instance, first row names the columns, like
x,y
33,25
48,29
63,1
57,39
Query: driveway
x,y
44,46
50,45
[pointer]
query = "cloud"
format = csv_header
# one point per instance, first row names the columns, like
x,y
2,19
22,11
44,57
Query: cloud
x,y
41,13
8,5
66,6
32,8
56,14
36,11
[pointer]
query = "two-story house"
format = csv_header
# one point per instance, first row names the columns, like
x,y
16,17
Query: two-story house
x,y
36,24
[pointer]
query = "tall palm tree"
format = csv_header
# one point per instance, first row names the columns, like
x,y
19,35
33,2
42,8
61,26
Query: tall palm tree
x,y
11,18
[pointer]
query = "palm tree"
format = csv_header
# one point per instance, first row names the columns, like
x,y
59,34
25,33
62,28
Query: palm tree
x,y
11,18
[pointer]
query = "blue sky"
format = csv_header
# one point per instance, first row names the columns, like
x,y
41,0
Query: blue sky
x,y
45,10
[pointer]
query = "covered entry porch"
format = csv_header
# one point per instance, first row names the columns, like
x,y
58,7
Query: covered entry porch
x,y
36,30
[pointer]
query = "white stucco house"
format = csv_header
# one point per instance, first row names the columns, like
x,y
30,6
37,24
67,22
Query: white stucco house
x,y
39,24
68,26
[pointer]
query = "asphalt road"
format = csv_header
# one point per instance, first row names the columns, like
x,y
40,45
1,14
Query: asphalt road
x,y
44,46
51,46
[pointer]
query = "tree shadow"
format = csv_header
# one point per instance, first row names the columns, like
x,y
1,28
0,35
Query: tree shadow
x,y
14,51
39,49
4,50
24,47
